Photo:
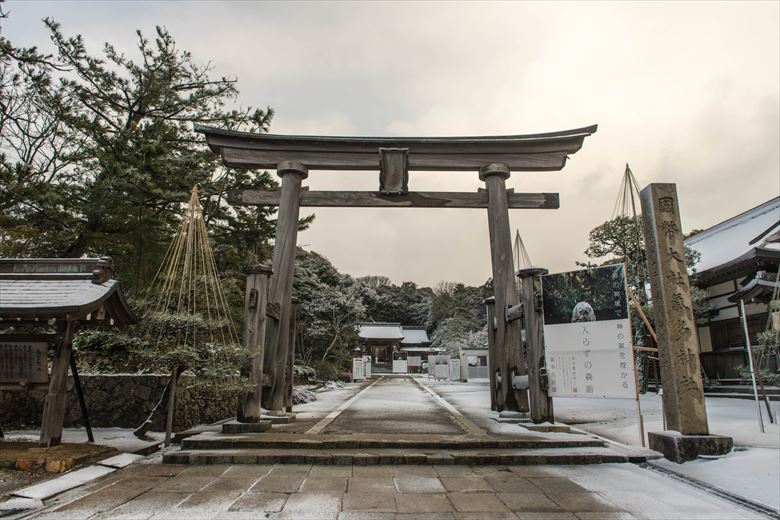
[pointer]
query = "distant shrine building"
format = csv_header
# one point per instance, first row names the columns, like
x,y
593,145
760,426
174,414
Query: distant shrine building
x,y
388,342
407,349
739,261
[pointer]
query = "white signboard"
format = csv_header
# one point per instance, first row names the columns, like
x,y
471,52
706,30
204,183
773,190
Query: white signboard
x,y
399,366
358,369
367,366
414,361
587,334
455,369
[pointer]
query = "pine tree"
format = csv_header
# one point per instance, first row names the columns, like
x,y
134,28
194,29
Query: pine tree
x,y
99,154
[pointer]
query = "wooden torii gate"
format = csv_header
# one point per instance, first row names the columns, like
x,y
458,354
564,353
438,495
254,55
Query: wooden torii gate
x,y
493,157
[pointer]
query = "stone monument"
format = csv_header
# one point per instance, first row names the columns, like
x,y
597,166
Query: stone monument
x,y
688,434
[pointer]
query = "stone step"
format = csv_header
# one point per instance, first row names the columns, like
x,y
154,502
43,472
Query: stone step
x,y
217,441
742,395
567,456
739,389
234,427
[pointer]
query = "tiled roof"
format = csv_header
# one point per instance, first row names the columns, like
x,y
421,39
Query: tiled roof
x,y
55,288
414,336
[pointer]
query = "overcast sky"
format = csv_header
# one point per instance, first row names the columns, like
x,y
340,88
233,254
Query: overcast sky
x,y
686,93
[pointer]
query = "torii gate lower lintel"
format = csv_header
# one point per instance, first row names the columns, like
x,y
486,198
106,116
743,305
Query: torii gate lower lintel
x,y
494,157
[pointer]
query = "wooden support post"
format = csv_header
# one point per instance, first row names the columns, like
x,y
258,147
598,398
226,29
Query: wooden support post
x,y
82,400
54,403
255,305
289,375
277,332
493,362
533,317
508,339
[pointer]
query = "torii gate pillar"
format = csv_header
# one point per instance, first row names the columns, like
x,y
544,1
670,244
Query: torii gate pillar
x,y
507,334
280,292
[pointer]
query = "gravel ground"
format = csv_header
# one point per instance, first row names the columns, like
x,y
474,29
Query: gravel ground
x,y
11,479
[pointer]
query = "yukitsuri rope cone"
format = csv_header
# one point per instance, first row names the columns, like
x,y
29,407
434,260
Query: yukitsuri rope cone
x,y
522,260
188,315
628,196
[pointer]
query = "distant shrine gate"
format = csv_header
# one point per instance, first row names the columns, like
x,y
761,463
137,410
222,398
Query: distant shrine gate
x,y
294,156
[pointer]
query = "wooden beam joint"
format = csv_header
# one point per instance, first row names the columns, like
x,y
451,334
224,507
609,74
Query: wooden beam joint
x,y
514,312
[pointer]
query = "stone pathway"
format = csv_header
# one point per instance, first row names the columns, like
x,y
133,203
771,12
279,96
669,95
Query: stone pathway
x,y
299,492
395,405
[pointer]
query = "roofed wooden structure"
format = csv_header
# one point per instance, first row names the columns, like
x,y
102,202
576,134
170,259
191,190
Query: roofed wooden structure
x,y
57,295
68,288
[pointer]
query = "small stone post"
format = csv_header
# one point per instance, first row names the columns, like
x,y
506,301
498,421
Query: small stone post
x,y
507,335
675,327
255,303
533,318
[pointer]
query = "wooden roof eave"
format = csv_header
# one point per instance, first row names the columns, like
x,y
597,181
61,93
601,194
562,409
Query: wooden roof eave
x,y
212,132
117,308
738,267
756,289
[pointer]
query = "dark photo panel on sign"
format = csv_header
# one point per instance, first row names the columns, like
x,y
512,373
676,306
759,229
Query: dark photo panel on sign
x,y
596,294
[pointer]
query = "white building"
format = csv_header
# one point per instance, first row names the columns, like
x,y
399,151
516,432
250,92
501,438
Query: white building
x,y
734,253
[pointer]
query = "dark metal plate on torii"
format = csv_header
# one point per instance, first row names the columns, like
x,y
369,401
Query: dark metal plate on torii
x,y
23,362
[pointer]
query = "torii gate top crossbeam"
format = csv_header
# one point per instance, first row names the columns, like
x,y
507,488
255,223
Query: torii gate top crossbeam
x,y
533,152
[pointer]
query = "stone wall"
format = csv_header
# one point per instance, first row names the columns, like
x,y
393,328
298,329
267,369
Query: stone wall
x,y
120,400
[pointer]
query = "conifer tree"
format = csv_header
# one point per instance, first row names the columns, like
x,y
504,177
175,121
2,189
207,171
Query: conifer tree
x,y
98,153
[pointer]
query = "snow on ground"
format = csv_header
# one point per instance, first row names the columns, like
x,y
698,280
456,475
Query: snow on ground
x,y
752,470
307,414
752,473
648,495
616,418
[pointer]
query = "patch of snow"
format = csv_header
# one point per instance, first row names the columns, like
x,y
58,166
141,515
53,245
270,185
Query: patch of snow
x,y
67,481
120,461
330,385
20,504
302,394
752,473
752,470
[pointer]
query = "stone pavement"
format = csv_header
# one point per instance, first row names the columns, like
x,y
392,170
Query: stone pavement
x,y
300,492
395,405
398,420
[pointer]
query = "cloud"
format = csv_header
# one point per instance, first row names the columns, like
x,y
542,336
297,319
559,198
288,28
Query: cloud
x,y
684,92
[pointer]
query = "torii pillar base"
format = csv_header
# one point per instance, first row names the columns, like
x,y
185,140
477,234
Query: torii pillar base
x,y
682,448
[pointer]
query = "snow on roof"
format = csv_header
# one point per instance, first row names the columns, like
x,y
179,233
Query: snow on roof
x,y
415,335
736,236
380,331
61,287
